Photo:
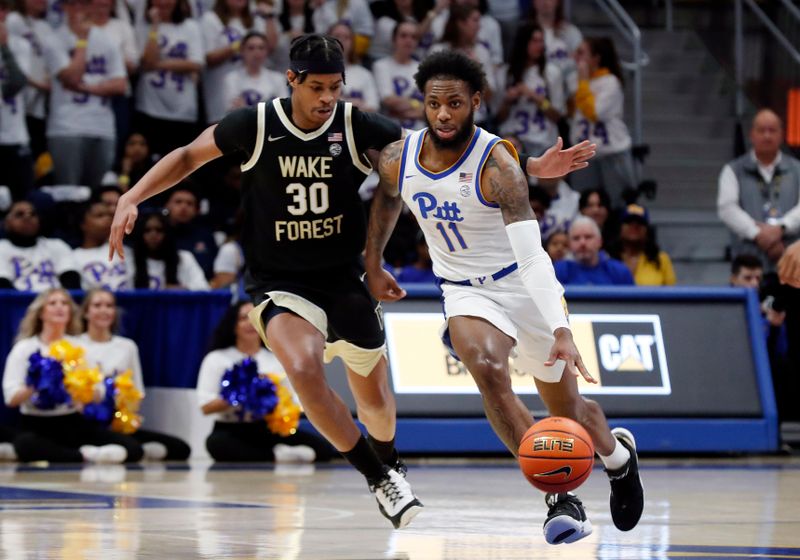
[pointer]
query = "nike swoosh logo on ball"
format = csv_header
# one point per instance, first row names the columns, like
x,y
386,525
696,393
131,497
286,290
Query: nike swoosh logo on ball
x,y
567,470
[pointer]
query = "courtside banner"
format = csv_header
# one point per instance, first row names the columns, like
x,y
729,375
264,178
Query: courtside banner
x,y
624,352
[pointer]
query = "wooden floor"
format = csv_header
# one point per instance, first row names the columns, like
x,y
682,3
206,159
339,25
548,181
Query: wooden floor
x,y
723,509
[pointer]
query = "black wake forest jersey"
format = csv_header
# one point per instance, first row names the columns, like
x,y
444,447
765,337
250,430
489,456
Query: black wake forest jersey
x,y
300,196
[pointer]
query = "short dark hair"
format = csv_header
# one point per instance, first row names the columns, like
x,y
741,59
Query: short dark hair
x,y
314,46
745,261
224,335
540,195
252,34
450,65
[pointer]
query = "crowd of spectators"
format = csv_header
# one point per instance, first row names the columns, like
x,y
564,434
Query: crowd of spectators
x,y
96,91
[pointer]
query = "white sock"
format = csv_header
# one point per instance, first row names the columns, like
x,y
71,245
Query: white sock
x,y
618,458
154,450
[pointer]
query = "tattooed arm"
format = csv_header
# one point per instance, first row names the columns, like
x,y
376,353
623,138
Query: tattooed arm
x,y
502,180
386,207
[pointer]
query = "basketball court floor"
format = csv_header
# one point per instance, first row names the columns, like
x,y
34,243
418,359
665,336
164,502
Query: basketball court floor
x,y
475,509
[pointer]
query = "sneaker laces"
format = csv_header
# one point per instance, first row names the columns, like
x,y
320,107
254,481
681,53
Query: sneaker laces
x,y
390,489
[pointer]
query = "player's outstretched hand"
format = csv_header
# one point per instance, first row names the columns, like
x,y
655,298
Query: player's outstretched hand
x,y
789,265
564,349
124,219
556,162
383,286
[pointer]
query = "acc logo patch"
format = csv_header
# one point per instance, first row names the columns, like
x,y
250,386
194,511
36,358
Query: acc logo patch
x,y
335,149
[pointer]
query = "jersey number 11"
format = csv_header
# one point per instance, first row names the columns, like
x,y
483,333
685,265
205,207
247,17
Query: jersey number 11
x,y
457,234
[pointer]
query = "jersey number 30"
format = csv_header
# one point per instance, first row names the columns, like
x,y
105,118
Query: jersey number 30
x,y
314,198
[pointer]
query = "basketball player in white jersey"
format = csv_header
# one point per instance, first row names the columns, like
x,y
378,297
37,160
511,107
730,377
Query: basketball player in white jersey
x,y
465,186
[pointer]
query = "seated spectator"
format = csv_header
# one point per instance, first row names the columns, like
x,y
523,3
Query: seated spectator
x,y
60,434
557,245
591,265
247,439
534,100
421,270
113,355
598,117
190,234
596,204
109,195
136,161
32,263
563,206
15,152
229,263
91,258
539,200
759,194
250,82
159,263
638,249
88,71
360,88
394,76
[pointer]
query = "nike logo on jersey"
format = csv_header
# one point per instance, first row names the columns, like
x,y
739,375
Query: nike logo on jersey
x,y
566,470
272,138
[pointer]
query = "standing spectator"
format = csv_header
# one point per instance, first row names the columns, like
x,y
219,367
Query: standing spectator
x,y
251,82
121,34
394,75
166,95
596,204
60,434
28,23
507,13
247,439
461,34
591,265
396,11
113,354
561,37
88,70
159,263
534,100
32,263
15,152
295,20
355,13
598,117
759,194
360,88
91,258
224,27
638,249
190,234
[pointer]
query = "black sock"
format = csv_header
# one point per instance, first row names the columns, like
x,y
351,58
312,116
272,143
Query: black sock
x,y
385,450
365,460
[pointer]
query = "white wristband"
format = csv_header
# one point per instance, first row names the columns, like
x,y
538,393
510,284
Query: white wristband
x,y
536,271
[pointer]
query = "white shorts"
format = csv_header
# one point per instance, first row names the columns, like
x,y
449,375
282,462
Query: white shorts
x,y
507,305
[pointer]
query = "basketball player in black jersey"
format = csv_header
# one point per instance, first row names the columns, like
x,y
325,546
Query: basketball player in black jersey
x,y
304,229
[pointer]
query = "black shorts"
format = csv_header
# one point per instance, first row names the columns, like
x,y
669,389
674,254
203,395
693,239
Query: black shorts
x,y
353,315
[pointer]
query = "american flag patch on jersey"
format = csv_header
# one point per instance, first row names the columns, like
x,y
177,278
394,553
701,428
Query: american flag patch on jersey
x,y
465,176
334,137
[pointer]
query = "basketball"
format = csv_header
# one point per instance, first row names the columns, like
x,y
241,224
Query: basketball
x,y
556,455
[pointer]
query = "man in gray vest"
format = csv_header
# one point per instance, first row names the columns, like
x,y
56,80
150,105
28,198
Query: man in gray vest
x,y
759,194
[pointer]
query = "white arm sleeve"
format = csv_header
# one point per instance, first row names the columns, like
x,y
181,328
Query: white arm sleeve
x,y
536,271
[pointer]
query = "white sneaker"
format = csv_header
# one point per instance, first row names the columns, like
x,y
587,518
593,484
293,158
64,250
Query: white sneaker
x,y
396,500
7,452
106,454
154,451
293,453
89,453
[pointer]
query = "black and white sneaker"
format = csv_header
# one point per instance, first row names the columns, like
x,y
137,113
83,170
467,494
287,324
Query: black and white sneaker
x,y
396,500
627,492
400,467
566,519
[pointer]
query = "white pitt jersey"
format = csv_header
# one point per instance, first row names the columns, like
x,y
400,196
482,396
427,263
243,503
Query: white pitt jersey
x,y
395,79
97,272
465,234
36,32
608,131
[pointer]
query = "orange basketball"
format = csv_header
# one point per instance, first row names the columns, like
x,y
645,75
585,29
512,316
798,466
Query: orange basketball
x,y
556,454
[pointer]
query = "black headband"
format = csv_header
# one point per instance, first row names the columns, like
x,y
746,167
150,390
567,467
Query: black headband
x,y
319,66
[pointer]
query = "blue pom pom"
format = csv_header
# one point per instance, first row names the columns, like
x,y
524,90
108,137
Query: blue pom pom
x,y
243,388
